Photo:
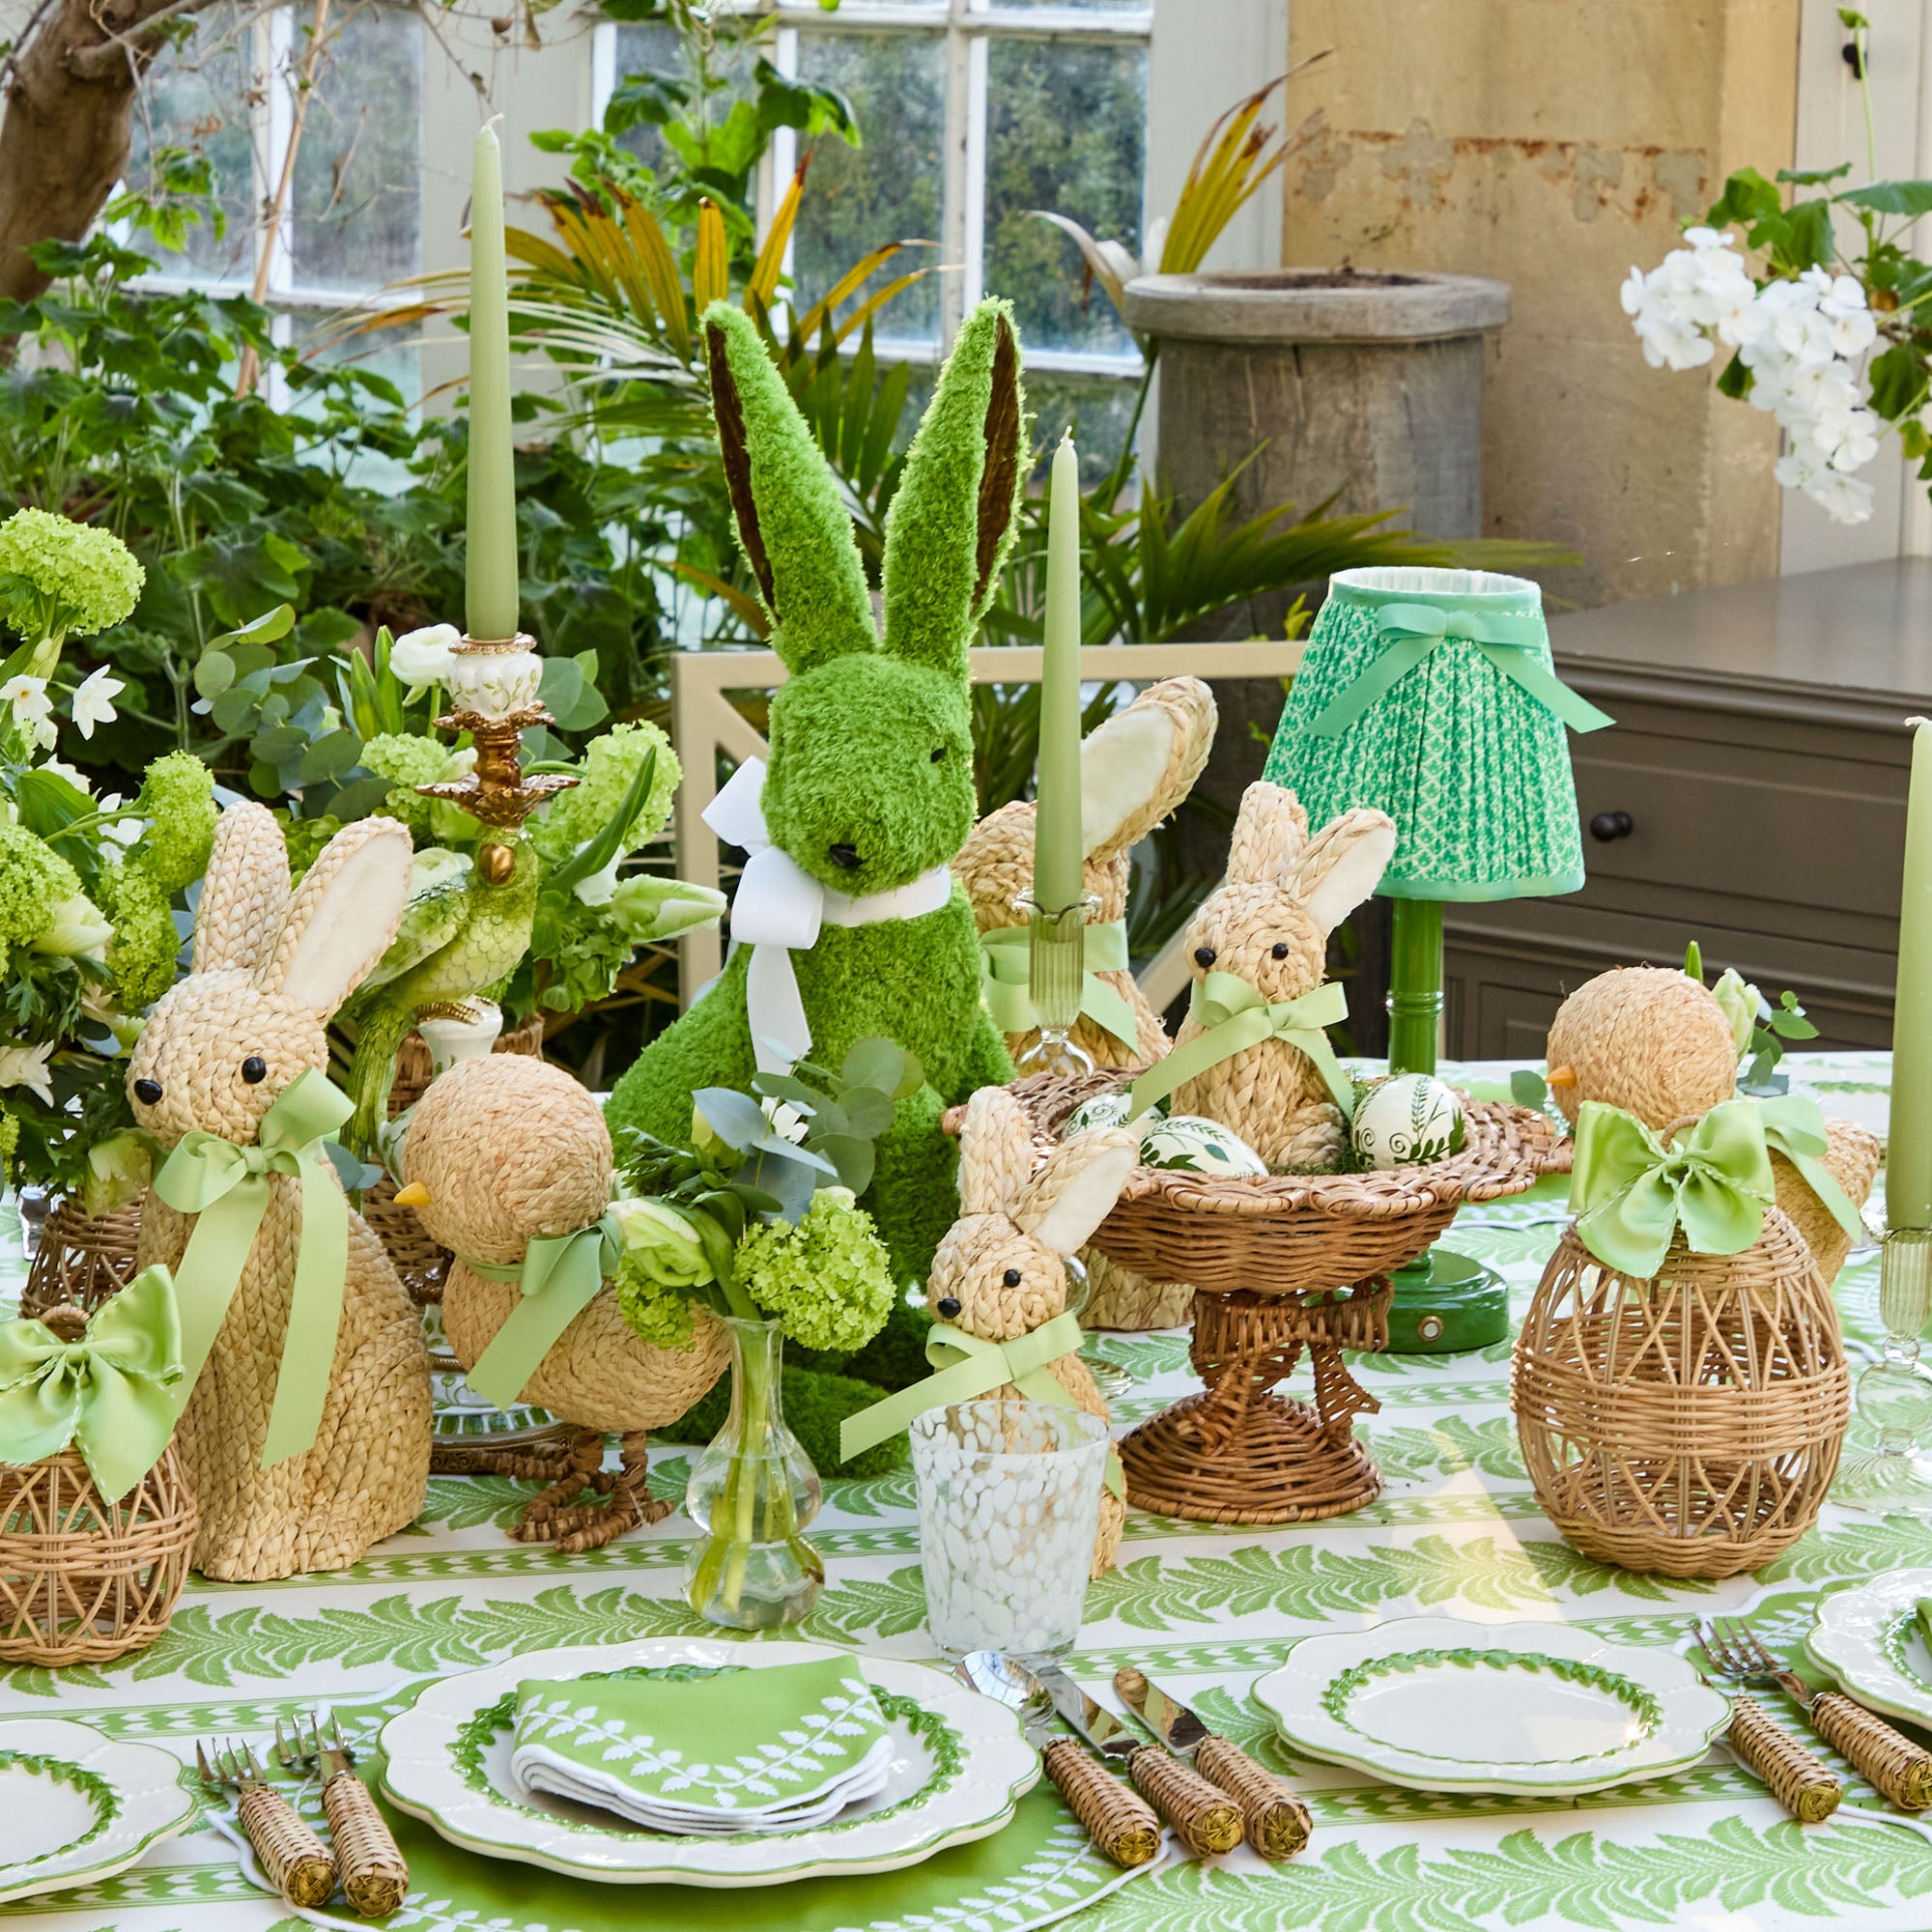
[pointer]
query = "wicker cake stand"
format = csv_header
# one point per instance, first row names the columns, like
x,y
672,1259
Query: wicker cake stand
x,y
1280,1265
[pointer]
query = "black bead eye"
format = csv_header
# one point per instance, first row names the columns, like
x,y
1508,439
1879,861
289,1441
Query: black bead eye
x,y
254,1070
147,1091
939,755
948,1306
1011,1277
1281,948
1203,955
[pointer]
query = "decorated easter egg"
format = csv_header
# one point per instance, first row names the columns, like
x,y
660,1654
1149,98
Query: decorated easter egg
x,y
1188,1144
1404,1119
1103,1110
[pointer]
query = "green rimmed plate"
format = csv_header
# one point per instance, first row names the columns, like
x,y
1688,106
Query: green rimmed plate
x,y
79,1806
1868,1639
1527,1709
960,1766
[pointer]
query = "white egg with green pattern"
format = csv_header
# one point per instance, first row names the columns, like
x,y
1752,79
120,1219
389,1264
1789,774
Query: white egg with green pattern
x,y
1404,1120
1103,1110
1189,1143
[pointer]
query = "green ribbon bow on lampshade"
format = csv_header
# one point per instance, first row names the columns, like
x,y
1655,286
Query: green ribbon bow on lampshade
x,y
1412,633
1631,1193
560,1275
1795,1128
111,1393
227,1187
1006,980
1234,1017
967,1367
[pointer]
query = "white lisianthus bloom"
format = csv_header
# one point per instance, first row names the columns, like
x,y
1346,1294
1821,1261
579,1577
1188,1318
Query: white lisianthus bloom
x,y
22,1065
93,701
80,930
420,658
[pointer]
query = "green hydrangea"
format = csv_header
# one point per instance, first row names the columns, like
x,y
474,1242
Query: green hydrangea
x,y
610,767
33,880
9,1141
145,947
177,802
59,578
410,761
658,1315
826,1280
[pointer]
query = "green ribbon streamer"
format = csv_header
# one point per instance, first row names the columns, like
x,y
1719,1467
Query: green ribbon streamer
x,y
967,1367
227,1187
1006,980
1795,1128
1412,633
112,1392
561,1276
1234,1017
1631,1193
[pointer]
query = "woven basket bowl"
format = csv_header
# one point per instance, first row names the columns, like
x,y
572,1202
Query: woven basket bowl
x,y
1687,1425
1293,1232
83,1258
85,1578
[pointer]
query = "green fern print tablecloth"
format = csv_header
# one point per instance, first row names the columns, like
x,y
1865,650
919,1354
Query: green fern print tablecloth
x,y
1203,1607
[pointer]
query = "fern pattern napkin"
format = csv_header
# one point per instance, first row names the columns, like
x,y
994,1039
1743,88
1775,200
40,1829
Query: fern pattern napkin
x,y
750,1750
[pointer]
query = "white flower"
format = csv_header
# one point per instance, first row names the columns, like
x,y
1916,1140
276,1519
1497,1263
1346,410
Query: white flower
x,y
92,700
123,831
28,696
1854,327
1632,294
421,657
27,1066
600,888
1843,498
787,1121
80,930
78,779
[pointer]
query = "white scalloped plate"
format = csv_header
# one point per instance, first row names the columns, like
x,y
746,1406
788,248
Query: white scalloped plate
x,y
1868,1639
961,1767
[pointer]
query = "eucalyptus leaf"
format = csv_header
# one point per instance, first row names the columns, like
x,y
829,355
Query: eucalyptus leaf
x,y
852,1157
214,673
328,758
787,1087
875,1062
867,1112
732,1116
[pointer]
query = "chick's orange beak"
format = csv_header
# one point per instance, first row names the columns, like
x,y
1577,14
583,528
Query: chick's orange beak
x,y
1557,1076
414,1195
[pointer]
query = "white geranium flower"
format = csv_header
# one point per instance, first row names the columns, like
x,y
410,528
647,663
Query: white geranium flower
x,y
1632,294
22,1065
421,657
1845,499
92,700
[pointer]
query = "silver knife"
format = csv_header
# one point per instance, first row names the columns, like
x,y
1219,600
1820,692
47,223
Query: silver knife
x,y
1205,1819
1277,1822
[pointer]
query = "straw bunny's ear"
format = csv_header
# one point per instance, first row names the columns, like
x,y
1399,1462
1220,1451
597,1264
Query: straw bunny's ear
x,y
245,890
953,520
1343,865
1075,1191
995,1152
1269,831
342,918
1142,762
794,530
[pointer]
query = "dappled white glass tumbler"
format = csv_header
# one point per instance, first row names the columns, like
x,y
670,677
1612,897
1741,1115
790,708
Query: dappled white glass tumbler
x,y
1008,1505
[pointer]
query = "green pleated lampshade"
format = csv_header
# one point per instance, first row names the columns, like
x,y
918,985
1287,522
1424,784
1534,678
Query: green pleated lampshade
x,y
1474,771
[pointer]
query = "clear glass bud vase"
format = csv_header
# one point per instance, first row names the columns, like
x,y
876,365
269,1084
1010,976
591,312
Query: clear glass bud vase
x,y
753,1491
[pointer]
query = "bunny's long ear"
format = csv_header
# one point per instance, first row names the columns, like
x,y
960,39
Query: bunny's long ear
x,y
245,892
342,918
1075,1191
794,530
1269,831
1142,762
953,520
1343,865
995,1152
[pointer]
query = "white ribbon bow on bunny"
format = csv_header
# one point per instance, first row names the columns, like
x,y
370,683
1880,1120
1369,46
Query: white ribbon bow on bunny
x,y
781,907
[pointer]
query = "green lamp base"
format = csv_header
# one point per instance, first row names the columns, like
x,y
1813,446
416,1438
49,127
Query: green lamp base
x,y
1445,1302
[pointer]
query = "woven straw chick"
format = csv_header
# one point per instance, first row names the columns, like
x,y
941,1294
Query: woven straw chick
x,y
1268,924
1134,770
1655,1042
1001,1268
268,969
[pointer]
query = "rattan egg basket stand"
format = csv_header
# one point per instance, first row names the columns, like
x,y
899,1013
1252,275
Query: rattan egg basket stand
x,y
1279,1265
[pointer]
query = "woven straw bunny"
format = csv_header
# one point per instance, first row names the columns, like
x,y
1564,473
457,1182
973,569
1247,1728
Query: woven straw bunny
x,y
268,969
1001,1268
1270,925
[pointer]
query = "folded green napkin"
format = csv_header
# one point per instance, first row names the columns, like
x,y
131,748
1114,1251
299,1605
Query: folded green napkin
x,y
747,1751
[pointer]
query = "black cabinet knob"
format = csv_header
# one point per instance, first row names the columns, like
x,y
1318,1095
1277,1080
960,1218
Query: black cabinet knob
x,y
1609,825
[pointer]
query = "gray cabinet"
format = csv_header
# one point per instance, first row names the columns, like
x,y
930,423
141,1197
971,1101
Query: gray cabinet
x,y
1751,796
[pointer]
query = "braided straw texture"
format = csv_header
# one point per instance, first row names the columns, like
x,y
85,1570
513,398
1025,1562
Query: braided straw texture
x,y
83,1258
1646,1039
1797,1778
1897,1768
85,1578
1689,1425
1205,1818
1275,1822
374,1874
1850,1157
1119,1820
294,1859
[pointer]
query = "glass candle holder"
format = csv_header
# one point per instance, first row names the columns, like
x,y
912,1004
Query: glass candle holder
x,y
1008,1505
1894,1393
1055,982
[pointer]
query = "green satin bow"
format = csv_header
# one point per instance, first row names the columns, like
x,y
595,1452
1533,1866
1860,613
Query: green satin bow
x,y
968,1366
227,1188
1412,633
111,1393
1006,980
1631,1193
561,1276
1233,1016
1795,1128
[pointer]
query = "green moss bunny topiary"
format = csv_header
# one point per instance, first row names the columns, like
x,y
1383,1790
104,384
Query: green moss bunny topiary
x,y
870,790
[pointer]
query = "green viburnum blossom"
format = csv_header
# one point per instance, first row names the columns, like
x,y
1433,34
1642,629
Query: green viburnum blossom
x,y
656,1314
34,883
177,802
410,761
828,1281
10,1140
59,578
142,954
609,766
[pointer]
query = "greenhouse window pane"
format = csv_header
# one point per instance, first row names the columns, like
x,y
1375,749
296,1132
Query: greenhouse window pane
x,y
648,48
856,199
395,353
1097,409
357,208
1066,130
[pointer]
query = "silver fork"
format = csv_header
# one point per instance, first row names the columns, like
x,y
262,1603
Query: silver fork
x,y
1896,1767
295,1860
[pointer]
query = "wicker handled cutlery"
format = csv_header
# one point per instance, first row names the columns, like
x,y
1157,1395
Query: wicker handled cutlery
x,y
1799,1779
292,1859
373,1875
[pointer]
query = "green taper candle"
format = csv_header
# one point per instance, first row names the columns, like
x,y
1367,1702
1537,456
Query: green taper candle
x,y
1058,877
1908,1157
491,581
